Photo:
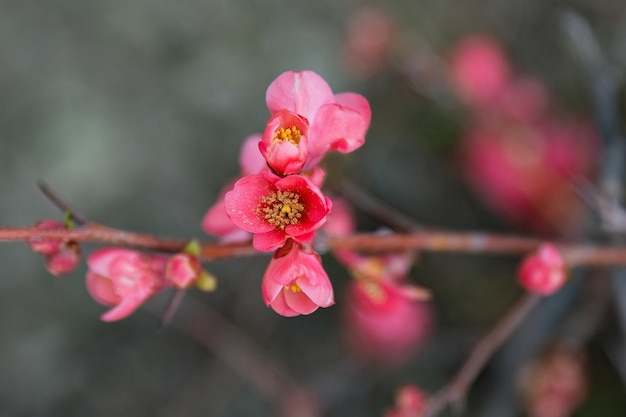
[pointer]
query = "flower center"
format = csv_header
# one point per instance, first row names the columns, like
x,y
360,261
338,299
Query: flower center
x,y
281,208
291,134
293,288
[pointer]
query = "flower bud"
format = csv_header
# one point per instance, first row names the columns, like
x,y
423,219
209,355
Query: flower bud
x,y
543,272
182,270
46,247
64,260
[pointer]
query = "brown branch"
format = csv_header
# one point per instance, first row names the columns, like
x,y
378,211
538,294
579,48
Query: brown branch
x,y
455,392
431,241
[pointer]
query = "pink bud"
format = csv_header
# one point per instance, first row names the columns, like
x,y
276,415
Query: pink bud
x,y
543,272
46,247
182,270
64,260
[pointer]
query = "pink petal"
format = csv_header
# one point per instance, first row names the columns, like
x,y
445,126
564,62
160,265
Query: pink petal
x,y
280,306
302,92
315,282
101,289
124,309
243,200
336,127
299,302
269,241
100,261
250,159
284,157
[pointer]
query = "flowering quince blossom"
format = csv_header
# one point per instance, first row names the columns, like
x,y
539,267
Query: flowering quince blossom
x,y
124,279
543,272
275,208
307,120
295,282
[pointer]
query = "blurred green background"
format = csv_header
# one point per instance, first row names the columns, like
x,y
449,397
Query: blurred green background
x,y
134,110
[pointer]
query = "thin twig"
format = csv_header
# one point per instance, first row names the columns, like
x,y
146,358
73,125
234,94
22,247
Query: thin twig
x,y
455,392
379,211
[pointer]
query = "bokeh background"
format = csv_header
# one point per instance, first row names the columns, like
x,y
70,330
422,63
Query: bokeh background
x,y
134,112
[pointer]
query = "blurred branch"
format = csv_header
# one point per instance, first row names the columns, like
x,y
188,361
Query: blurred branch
x,y
455,392
376,209
233,347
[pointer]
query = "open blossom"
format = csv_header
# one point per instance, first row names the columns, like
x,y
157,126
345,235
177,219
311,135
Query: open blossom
x,y
124,279
295,282
275,208
307,120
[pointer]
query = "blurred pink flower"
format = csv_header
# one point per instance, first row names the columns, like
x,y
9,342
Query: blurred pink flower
x,y
124,279
295,282
523,171
543,272
275,209
479,70
386,321
307,120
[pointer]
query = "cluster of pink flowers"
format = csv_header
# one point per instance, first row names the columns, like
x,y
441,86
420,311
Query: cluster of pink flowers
x,y
517,154
278,199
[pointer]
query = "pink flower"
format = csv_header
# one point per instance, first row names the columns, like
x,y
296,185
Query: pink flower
x,y
124,279
479,70
307,121
543,272
295,282
386,321
275,208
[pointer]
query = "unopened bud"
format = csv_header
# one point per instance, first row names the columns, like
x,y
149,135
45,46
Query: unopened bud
x,y
543,272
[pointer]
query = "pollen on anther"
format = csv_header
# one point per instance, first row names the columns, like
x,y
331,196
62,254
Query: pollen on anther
x,y
290,134
281,209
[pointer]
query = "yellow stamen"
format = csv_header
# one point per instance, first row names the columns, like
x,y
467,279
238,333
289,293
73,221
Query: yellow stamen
x,y
293,288
281,208
291,134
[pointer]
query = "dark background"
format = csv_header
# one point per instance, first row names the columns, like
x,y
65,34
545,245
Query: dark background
x,y
134,110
